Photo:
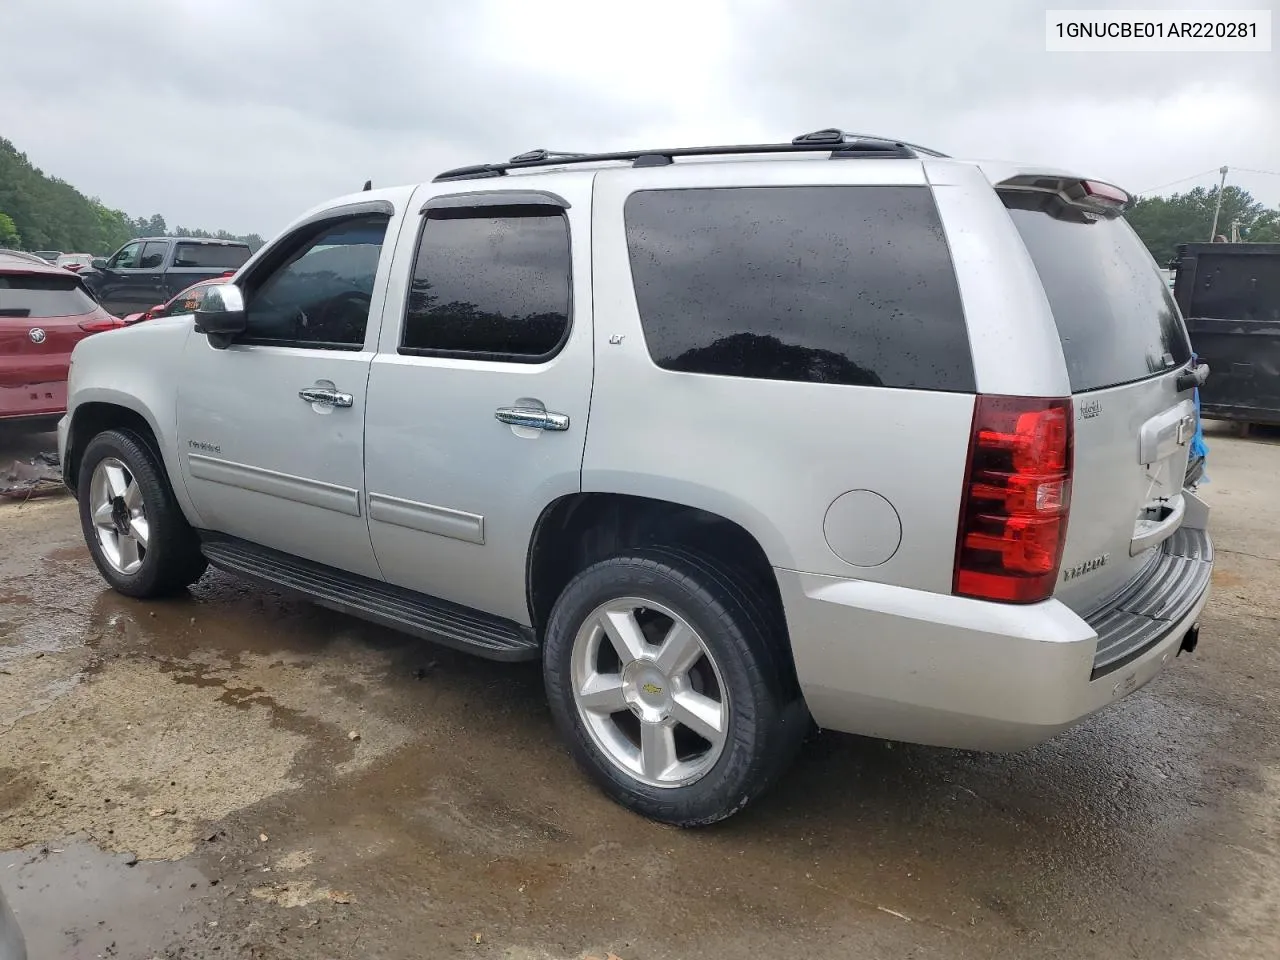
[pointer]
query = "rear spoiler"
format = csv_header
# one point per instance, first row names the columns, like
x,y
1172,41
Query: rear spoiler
x,y
1093,195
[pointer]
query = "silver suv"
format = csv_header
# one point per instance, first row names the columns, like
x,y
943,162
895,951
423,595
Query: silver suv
x,y
729,438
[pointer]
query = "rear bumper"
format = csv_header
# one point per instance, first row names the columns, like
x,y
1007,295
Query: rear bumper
x,y
33,401
903,664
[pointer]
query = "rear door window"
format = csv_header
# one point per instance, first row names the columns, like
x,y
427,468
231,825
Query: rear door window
x,y
490,283
153,255
1115,314
844,285
215,256
36,295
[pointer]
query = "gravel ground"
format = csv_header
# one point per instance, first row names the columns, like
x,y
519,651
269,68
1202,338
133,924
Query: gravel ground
x,y
232,774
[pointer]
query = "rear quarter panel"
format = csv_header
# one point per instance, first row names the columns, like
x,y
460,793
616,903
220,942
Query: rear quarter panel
x,y
772,456
1012,335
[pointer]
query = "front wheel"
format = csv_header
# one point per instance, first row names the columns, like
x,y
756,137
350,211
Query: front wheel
x,y
668,680
139,539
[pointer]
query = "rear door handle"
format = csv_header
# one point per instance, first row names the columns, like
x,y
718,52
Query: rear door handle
x,y
534,417
332,398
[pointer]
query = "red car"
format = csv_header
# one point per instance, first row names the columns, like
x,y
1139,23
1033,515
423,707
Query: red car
x,y
44,312
185,302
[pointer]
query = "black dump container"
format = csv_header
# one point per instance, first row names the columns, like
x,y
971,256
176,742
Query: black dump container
x,y
1229,294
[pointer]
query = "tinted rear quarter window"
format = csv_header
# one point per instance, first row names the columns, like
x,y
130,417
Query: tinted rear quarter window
x,y
490,283
23,295
842,285
214,256
1114,311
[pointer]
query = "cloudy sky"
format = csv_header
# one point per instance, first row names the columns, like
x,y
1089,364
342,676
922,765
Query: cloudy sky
x,y
239,114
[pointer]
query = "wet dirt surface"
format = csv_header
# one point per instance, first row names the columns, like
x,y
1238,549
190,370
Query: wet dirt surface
x,y
163,902
212,737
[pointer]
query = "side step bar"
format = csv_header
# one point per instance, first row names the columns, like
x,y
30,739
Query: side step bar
x,y
447,623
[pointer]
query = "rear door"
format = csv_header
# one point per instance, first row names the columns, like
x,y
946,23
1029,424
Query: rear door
x,y
1125,347
479,393
147,287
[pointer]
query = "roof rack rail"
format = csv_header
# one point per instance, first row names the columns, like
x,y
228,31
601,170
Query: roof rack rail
x,y
843,146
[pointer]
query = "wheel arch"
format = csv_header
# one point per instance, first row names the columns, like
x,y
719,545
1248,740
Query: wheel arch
x,y
579,529
101,410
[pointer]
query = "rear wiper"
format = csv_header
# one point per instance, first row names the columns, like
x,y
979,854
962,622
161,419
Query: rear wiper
x,y
14,312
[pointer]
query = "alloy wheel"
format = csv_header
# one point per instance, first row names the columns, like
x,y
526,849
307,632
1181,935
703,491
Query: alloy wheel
x,y
649,692
119,515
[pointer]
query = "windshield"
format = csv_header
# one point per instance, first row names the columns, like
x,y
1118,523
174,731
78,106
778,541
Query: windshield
x,y
1115,314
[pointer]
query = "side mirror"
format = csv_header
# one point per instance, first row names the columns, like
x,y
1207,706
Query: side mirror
x,y
221,315
99,263
156,311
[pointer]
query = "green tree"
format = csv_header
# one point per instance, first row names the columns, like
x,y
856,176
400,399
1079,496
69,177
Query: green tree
x,y
252,239
49,214
8,232
1165,222
1266,229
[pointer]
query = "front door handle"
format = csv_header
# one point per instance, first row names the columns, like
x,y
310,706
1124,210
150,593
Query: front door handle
x,y
535,417
327,396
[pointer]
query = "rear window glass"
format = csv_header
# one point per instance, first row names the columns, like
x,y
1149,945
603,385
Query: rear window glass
x,y
215,256
843,285
41,296
1115,313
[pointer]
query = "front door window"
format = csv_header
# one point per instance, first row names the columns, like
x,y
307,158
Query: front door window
x,y
320,296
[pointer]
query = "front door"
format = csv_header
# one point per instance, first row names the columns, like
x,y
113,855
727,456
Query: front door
x,y
478,396
117,286
271,429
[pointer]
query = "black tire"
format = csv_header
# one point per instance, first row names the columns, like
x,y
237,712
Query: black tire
x,y
767,719
172,560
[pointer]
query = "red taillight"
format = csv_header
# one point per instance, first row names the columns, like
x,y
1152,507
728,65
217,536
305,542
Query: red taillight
x,y
228,273
1017,494
98,326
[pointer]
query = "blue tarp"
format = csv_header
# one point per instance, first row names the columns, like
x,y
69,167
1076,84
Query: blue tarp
x,y
1198,447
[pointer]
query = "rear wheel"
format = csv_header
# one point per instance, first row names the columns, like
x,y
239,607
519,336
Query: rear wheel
x,y
665,680
139,539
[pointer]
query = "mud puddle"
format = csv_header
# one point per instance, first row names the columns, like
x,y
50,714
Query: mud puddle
x,y
74,900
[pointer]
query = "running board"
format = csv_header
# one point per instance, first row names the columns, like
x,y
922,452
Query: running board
x,y
382,603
